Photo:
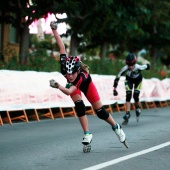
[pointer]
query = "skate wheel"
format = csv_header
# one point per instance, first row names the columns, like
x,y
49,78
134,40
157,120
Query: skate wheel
x,y
86,148
137,119
125,122
126,144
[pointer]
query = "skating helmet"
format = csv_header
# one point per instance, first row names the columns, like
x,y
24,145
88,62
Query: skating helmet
x,y
130,59
73,64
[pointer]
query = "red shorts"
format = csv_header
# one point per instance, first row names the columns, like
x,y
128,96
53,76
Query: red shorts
x,y
76,92
92,94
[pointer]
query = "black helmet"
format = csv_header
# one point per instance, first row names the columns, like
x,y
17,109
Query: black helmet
x,y
73,64
130,59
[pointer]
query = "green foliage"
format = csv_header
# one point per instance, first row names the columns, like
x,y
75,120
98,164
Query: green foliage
x,y
37,61
131,25
40,61
43,44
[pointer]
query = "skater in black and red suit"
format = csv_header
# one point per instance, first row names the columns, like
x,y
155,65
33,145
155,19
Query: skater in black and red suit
x,y
79,79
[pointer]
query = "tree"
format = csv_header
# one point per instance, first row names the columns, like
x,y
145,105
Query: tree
x,y
86,18
128,24
21,14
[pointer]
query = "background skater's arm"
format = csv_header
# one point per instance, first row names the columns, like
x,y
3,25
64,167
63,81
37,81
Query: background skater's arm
x,y
115,93
143,67
148,66
116,81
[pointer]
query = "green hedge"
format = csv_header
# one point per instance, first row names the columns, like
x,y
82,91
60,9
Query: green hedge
x,y
40,61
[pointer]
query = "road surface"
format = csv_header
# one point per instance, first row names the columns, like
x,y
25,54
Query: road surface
x,y
56,144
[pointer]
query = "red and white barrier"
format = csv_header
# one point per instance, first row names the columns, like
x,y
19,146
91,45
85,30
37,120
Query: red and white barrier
x,y
21,90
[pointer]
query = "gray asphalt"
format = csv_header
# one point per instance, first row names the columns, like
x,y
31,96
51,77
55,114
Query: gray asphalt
x,y
56,144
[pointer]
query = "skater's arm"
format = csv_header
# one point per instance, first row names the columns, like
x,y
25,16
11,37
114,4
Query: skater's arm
x,y
115,93
66,91
122,71
144,67
148,66
60,43
115,84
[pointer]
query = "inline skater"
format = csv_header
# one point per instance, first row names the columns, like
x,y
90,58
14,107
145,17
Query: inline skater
x,y
77,74
133,81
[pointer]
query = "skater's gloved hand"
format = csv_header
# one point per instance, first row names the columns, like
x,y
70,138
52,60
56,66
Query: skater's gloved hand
x,y
115,93
53,25
54,84
148,66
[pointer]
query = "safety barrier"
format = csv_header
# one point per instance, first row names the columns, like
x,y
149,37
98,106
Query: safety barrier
x,y
24,90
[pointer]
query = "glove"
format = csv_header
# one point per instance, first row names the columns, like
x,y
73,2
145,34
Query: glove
x,y
148,66
54,84
53,25
115,93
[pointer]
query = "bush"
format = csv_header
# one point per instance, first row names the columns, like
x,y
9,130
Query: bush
x,y
40,61
37,61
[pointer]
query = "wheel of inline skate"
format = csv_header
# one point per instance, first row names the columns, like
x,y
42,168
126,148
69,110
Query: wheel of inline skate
x,y
86,148
126,144
137,119
125,122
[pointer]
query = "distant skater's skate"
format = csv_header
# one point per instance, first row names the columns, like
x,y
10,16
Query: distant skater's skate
x,y
125,122
87,139
126,119
138,112
121,135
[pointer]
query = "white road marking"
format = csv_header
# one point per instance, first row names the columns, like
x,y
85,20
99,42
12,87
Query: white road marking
x,y
115,161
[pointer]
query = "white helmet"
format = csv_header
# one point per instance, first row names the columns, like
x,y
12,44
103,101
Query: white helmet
x,y
73,64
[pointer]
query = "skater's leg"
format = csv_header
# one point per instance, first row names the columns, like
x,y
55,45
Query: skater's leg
x,y
137,104
84,123
119,132
102,114
126,117
128,105
80,110
136,94
128,86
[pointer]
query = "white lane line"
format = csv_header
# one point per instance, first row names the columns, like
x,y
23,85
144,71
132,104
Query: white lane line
x,y
115,161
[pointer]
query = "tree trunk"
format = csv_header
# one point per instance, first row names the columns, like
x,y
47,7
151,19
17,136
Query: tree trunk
x,y
24,44
74,45
40,34
153,56
103,50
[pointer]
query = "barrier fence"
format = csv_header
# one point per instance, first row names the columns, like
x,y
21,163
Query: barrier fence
x,y
24,90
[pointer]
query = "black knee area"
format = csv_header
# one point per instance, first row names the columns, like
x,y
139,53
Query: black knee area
x,y
136,95
102,114
80,108
128,95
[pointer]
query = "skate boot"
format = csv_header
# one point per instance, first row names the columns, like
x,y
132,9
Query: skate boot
x,y
126,118
138,112
87,139
120,134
